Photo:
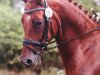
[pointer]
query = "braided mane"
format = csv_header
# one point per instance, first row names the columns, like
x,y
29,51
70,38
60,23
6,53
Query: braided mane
x,y
75,14
84,10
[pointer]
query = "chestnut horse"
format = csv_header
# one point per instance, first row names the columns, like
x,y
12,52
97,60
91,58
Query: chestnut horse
x,y
76,33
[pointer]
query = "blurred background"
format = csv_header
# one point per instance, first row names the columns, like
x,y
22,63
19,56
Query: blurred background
x,y
11,36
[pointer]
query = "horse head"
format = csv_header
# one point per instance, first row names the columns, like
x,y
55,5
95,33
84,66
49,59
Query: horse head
x,y
40,24
76,33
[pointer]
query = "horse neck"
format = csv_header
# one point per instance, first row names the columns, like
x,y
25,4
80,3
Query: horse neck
x,y
74,19
74,22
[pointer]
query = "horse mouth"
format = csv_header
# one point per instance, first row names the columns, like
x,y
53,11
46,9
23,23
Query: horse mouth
x,y
31,66
35,65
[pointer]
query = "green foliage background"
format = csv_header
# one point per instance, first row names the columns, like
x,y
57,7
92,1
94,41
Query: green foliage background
x,y
10,28
11,34
88,4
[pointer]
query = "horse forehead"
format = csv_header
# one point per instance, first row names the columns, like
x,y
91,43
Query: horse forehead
x,y
28,17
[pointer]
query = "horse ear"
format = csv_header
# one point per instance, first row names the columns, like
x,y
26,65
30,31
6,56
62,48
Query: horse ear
x,y
25,1
39,1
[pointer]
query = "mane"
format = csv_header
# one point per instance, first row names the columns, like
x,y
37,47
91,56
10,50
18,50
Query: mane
x,y
75,14
84,10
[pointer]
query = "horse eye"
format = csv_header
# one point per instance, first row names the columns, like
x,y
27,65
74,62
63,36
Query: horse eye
x,y
38,23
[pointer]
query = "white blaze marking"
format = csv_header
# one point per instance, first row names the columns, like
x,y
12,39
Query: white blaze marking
x,y
28,17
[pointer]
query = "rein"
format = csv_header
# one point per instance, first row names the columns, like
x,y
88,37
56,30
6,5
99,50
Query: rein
x,y
27,42
74,38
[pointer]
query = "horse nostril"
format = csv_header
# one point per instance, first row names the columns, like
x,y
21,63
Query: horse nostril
x,y
28,61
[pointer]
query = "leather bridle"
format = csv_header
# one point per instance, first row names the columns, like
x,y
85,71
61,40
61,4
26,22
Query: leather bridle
x,y
44,47
27,42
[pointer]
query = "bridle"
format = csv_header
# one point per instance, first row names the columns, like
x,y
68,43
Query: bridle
x,y
27,42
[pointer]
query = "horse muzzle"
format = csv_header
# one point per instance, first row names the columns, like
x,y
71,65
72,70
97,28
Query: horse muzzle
x,y
31,61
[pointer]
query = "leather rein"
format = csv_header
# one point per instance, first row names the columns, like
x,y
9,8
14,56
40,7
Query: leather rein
x,y
27,42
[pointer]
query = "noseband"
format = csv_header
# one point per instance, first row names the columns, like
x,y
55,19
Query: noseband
x,y
27,42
